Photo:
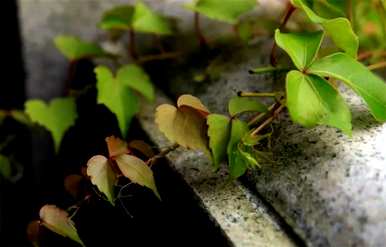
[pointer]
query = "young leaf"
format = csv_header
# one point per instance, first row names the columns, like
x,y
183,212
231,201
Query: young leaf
x,y
5,167
57,116
116,146
239,105
237,163
136,78
74,48
218,132
147,21
142,147
311,100
137,171
186,124
339,29
369,86
223,10
117,97
117,18
102,175
58,221
301,47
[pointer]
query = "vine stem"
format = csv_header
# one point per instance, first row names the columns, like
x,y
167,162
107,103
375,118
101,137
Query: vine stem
x,y
132,47
254,94
162,154
162,56
289,11
268,120
197,27
377,65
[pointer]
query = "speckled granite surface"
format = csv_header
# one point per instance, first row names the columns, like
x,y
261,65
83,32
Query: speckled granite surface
x,y
330,188
243,217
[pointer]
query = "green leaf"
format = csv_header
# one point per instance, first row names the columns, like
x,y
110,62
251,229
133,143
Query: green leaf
x,y
301,47
147,21
102,175
218,132
57,116
135,77
237,163
5,167
311,101
369,86
117,97
74,48
223,10
58,221
239,105
117,18
137,171
330,8
339,29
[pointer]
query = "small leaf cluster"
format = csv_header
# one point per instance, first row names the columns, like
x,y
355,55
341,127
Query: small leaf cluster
x,y
222,138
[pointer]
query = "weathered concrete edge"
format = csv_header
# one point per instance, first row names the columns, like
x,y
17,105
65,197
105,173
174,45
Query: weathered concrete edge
x,y
243,217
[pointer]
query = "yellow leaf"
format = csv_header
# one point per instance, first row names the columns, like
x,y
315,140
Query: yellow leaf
x,y
137,171
185,125
57,220
102,175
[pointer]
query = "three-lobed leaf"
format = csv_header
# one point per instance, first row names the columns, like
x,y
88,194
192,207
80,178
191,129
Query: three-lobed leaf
x,y
57,116
369,86
102,176
137,171
184,124
74,48
218,131
58,221
311,100
117,95
116,146
147,21
223,10
339,29
301,47
239,105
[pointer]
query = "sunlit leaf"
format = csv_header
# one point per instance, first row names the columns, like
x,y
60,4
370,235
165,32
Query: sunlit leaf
x,y
57,116
311,101
137,171
301,47
339,29
136,78
74,48
117,18
147,21
218,131
184,124
223,10
239,105
5,167
58,221
116,146
117,97
237,163
369,86
102,176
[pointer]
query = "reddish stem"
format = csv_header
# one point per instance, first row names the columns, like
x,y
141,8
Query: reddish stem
x,y
197,27
132,48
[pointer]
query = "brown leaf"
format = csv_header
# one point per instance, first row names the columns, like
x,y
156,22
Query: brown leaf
x,y
116,146
142,147
137,171
58,221
33,230
185,125
72,184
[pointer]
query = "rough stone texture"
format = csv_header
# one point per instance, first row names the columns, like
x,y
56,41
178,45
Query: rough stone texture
x,y
243,217
329,187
